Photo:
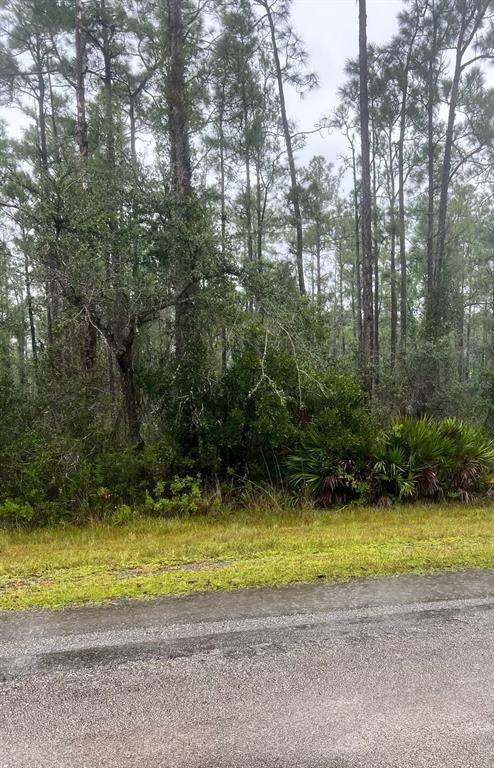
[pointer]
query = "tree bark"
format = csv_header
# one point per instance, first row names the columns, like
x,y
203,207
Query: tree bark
x,y
248,184
30,313
401,219
82,134
221,130
318,264
392,256
357,249
188,336
294,192
367,258
375,252
125,362
430,187
90,337
177,103
108,82
259,220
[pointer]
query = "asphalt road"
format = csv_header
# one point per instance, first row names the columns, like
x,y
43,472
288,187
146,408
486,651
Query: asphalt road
x,y
394,672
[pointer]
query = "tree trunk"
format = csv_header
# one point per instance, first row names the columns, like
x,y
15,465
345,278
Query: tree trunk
x,y
224,338
189,338
133,132
468,346
357,249
30,313
258,215
43,147
341,306
248,210
108,81
392,216
375,253
125,363
90,337
430,190
79,82
460,331
445,180
177,103
367,259
402,229
90,342
294,192
56,144
318,264
51,301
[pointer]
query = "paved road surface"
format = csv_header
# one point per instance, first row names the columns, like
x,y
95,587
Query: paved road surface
x,y
374,674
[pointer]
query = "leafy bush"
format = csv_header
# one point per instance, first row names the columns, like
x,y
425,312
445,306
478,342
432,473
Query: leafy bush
x,y
327,475
181,497
408,457
420,458
265,402
123,515
251,414
331,458
67,478
15,513
415,458
470,458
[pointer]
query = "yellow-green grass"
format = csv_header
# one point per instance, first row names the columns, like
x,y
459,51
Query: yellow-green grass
x,y
57,566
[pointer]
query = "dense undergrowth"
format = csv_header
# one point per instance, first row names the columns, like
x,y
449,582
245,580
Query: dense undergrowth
x,y
263,432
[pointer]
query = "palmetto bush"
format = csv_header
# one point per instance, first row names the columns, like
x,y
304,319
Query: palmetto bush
x,y
408,456
470,459
420,458
328,476
415,458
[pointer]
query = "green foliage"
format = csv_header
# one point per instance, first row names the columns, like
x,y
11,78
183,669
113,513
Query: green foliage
x,y
15,513
330,460
179,498
328,476
259,409
408,456
415,458
123,515
251,412
64,477
420,458
470,459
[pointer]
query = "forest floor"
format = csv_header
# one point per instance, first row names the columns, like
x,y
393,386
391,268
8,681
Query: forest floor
x,y
56,566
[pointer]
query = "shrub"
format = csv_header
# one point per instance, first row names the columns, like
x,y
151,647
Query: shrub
x,y
408,456
470,458
181,497
415,458
15,513
123,514
326,475
251,414
420,458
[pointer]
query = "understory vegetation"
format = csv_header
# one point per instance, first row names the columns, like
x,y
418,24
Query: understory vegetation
x,y
337,455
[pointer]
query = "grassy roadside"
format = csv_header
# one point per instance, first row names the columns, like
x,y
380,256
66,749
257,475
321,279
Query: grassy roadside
x,y
57,566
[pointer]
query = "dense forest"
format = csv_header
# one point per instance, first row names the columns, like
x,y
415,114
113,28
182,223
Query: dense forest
x,y
181,297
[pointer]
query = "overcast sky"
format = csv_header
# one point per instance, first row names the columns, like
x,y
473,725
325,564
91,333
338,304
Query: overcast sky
x,y
329,29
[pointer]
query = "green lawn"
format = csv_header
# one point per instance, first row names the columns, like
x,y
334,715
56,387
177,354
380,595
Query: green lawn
x,y
57,566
